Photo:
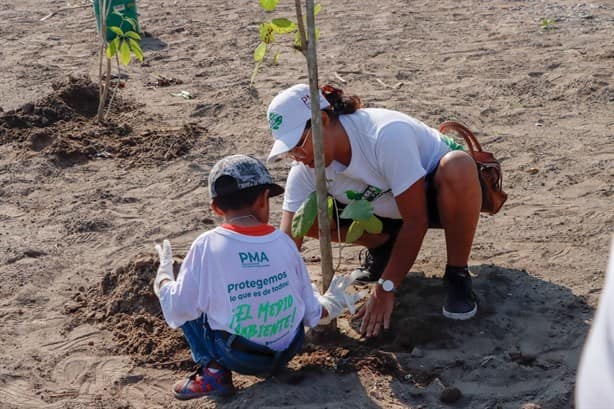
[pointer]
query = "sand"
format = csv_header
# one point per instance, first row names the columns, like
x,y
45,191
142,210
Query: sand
x,y
83,203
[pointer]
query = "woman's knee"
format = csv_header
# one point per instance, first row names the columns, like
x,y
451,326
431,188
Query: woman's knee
x,y
457,171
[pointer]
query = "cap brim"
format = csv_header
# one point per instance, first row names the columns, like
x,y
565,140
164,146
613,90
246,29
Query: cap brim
x,y
275,190
285,143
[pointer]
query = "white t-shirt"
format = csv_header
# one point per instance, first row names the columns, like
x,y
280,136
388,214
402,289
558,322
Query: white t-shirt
x,y
256,286
390,152
595,383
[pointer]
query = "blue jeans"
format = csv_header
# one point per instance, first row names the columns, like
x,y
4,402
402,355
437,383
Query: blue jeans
x,y
207,344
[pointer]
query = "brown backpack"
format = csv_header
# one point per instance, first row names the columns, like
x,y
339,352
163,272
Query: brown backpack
x,y
489,168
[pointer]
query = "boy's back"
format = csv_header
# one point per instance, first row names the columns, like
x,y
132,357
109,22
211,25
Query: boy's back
x,y
250,281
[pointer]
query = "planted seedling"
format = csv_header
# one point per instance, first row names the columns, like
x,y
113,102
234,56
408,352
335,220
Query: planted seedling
x,y
123,46
278,26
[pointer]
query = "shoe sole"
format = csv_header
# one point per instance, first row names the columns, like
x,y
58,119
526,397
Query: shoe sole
x,y
203,395
460,316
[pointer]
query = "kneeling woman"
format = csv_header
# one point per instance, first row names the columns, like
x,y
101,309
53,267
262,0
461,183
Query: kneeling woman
x,y
407,170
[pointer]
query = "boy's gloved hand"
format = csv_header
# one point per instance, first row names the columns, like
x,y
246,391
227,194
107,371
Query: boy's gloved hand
x,y
165,271
337,299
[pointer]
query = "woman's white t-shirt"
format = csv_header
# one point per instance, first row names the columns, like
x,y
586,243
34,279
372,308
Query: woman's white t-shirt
x,y
390,152
256,286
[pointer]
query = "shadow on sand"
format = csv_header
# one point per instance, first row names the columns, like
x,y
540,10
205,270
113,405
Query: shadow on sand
x,y
521,349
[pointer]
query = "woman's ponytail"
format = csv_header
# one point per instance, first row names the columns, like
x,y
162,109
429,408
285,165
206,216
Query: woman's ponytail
x,y
341,104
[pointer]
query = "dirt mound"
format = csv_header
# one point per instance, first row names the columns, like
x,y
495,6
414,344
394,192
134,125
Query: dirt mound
x,y
63,126
125,304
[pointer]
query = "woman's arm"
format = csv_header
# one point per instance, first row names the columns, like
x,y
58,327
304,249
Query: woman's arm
x,y
412,206
286,227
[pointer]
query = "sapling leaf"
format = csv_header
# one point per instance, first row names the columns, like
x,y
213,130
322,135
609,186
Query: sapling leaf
x,y
124,53
112,48
283,25
331,206
269,5
117,31
373,225
134,35
297,40
354,232
259,52
357,210
266,33
316,9
132,22
136,49
305,216
276,58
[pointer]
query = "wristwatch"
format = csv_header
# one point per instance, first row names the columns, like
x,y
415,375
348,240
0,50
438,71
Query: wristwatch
x,y
387,285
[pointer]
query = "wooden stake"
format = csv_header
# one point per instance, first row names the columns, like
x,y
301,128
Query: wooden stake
x,y
318,151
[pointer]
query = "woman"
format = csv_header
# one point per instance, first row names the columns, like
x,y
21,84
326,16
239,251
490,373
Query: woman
x,y
408,172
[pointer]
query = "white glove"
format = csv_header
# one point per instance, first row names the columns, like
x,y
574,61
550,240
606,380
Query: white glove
x,y
165,271
337,299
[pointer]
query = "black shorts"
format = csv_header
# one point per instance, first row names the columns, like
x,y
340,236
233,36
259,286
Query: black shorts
x,y
392,226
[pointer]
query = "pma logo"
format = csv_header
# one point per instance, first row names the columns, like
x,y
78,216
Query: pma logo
x,y
257,259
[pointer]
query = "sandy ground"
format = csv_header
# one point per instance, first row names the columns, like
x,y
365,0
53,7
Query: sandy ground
x,y
82,204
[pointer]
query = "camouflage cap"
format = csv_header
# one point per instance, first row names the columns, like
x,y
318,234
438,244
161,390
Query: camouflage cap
x,y
243,172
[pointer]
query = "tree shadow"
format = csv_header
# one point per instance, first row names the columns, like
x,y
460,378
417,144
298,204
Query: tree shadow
x,y
522,347
149,43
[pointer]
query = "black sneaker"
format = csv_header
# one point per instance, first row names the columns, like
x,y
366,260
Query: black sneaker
x,y
461,302
375,261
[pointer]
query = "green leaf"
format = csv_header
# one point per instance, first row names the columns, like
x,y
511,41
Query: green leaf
x,y
136,49
132,22
259,52
305,216
269,5
117,31
266,33
124,53
134,35
357,210
283,25
354,232
297,40
350,194
276,58
316,9
331,207
373,225
112,48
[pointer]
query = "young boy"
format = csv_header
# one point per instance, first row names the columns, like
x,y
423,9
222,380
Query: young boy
x,y
243,293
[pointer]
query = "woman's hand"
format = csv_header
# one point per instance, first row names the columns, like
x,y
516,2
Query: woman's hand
x,y
376,312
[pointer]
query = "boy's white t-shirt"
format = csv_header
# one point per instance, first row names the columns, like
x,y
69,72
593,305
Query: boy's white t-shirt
x,y
390,152
256,286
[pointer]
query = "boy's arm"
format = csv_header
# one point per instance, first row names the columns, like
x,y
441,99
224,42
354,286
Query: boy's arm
x,y
180,300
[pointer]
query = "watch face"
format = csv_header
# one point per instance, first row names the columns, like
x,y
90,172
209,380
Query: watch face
x,y
388,285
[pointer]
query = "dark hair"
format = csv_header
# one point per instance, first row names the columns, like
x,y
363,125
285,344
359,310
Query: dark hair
x,y
341,104
236,200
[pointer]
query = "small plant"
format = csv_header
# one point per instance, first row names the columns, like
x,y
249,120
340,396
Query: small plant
x,y
124,44
547,24
278,26
359,210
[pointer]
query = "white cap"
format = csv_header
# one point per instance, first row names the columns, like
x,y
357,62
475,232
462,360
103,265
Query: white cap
x,y
288,114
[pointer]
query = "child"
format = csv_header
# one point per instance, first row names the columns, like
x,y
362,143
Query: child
x,y
243,293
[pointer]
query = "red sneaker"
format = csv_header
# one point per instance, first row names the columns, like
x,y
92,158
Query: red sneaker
x,y
205,383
